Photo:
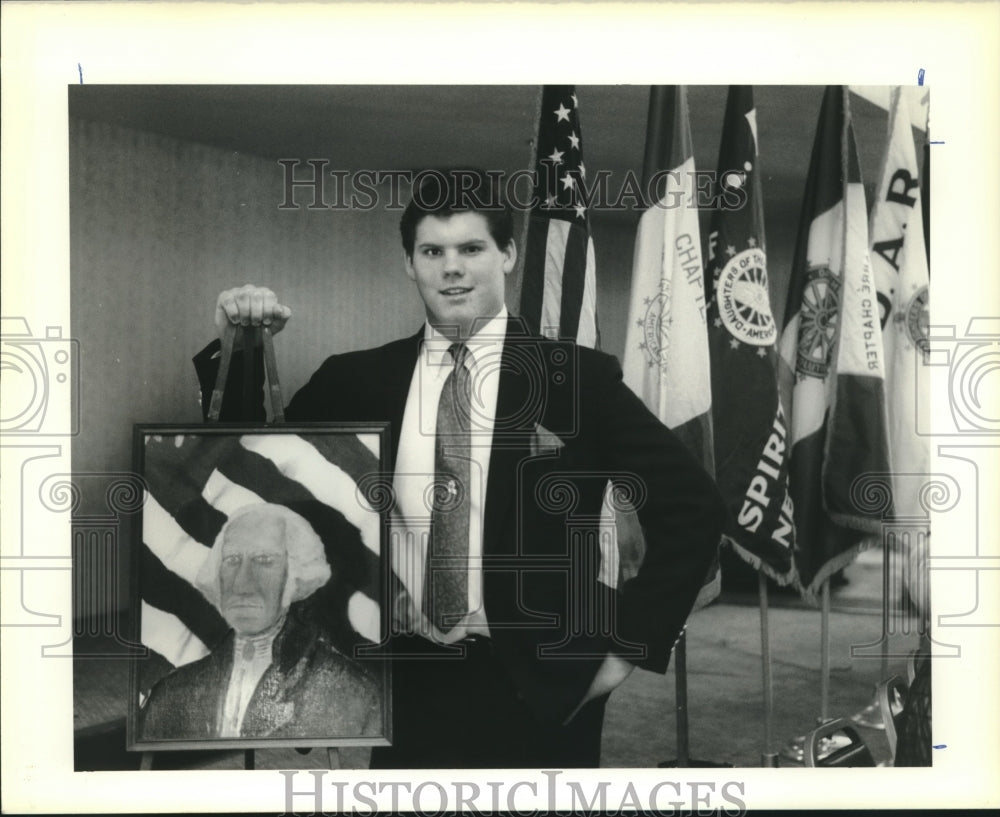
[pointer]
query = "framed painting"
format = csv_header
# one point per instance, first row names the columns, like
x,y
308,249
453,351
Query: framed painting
x,y
259,577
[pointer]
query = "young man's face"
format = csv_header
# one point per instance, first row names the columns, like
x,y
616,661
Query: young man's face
x,y
253,573
459,270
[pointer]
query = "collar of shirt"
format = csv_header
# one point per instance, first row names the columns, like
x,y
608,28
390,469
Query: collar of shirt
x,y
484,344
251,657
257,647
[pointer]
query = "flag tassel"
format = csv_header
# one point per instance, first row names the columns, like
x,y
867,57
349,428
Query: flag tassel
x,y
838,562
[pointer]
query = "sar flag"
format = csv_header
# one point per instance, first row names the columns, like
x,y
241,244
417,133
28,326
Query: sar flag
x,y
831,367
666,345
925,203
751,456
902,280
899,259
559,290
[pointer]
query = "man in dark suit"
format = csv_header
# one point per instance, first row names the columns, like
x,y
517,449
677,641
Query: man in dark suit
x,y
506,644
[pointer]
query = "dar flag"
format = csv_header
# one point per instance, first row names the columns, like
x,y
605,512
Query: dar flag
x,y
751,455
195,481
666,344
559,290
831,367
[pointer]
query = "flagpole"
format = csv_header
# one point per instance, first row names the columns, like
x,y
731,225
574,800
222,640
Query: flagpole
x,y
824,632
886,579
681,703
824,640
518,282
768,758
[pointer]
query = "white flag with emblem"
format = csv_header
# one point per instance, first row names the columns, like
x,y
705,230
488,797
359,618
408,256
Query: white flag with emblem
x,y
830,367
666,345
901,278
666,342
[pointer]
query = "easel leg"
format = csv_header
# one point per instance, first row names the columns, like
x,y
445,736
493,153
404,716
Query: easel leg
x,y
333,757
146,762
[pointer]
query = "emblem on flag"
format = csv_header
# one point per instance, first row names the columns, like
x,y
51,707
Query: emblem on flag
x,y
655,326
916,317
818,327
742,295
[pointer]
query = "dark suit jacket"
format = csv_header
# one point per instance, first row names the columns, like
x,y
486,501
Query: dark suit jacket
x,y
309,691
565,424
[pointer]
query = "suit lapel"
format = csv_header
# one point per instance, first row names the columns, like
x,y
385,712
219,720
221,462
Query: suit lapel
x,y
221,663
518,410
393,385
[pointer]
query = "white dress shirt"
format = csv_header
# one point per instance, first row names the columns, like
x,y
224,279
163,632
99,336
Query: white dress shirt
x,y
252,656
414,474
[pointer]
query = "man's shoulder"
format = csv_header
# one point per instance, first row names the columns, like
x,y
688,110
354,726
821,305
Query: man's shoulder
x,y
188,677
574,361
399,350
554,353
182,703
303,644
340,671
557,350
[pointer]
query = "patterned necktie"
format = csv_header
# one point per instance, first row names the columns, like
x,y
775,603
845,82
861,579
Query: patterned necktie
x,y
446,588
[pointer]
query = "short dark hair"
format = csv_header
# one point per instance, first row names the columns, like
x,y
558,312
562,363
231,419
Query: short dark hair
x,y
443,193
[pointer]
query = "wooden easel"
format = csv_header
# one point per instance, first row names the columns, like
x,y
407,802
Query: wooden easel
x,y
249,335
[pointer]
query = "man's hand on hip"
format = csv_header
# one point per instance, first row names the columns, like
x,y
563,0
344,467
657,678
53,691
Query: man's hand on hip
x,y
612,672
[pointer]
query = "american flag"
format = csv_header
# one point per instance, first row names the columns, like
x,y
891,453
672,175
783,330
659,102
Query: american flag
x,y
559,291
195,480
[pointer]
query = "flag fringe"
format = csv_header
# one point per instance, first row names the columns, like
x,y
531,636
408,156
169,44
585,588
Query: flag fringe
x,y
841,560
709,592
757,563
862,524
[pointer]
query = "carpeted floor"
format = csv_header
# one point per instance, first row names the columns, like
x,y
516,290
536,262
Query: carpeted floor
x,y
725,709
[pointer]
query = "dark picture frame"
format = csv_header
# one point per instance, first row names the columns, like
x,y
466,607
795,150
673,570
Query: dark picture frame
x,y
214,494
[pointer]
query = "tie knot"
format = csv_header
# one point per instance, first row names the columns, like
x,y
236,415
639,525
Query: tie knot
x,y
459,352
